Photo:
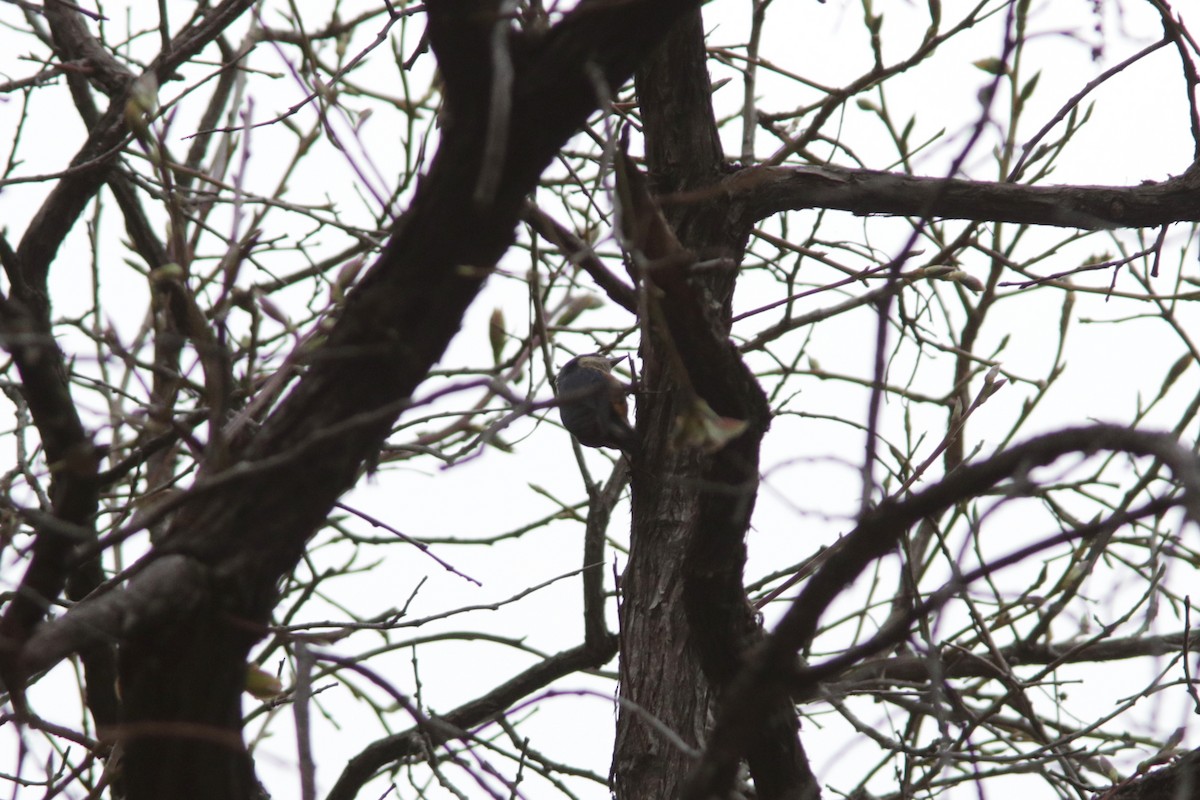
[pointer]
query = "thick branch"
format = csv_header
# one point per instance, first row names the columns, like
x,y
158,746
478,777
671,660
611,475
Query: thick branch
x,y
1172,782
247,525
76,43
763,191
406,308
876,535
25,319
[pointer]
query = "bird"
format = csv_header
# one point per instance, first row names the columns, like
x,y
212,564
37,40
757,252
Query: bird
x,y
592,403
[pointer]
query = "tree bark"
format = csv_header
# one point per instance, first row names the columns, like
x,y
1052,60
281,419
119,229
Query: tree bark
x,y
685,621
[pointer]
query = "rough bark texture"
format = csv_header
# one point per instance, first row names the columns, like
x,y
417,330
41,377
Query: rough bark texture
x,y
660,670
1176,781
685,621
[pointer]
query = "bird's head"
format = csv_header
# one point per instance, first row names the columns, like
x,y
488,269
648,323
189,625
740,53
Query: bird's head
x,y
592,361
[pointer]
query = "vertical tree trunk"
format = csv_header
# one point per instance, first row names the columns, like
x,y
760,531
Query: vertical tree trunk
x,y
685,620
661,675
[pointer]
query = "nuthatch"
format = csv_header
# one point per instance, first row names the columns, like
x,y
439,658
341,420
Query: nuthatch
x,y
592,403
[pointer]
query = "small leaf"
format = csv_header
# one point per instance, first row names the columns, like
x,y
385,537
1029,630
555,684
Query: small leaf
x,y
1177,369
992,382
992,66
701,427
260,684
966,280
167,272
1068,308
1030,85
346,276
1106,767
274,312
578,304
497,336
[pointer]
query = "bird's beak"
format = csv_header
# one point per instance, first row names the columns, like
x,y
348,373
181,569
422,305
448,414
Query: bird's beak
x,y
617,360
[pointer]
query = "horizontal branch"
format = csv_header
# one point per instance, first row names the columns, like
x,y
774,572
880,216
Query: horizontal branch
x,y
763,191
176,582
955,663
417,742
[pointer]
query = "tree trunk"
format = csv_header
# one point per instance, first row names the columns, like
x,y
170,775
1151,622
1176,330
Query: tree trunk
x,y
685,622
